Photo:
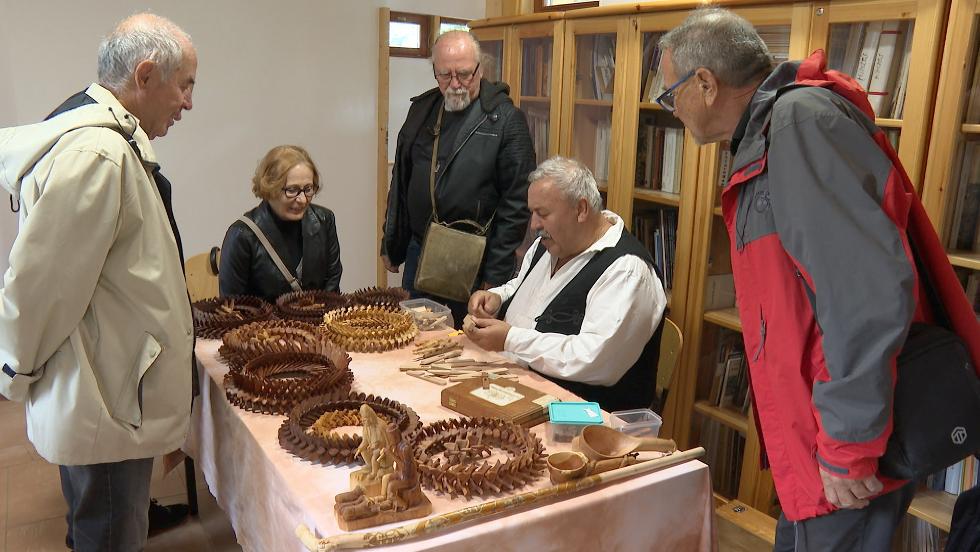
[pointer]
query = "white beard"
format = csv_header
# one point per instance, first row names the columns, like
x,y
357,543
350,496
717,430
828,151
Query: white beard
x,y
456,102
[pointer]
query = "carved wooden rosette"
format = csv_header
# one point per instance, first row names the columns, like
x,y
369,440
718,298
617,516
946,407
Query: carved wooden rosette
x,y
276,382
214,317
309,306
378,296
466,471
370,329
253,340
295,433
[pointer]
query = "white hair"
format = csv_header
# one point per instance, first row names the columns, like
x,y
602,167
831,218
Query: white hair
x,y
573,179
136,39
477,52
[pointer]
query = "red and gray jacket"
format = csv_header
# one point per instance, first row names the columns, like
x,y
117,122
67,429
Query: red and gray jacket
x,y
819,212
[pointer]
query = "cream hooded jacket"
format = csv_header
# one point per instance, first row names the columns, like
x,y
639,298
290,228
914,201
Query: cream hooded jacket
x,y
95,326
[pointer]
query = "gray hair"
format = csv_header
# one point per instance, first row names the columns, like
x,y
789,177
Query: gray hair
x,y
720,41
573,179
477,52
136,39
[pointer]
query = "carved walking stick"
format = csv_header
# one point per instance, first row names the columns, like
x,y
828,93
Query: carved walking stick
x,y
440,522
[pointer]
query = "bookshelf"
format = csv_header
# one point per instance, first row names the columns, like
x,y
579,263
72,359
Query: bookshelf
x,y
493,41
538,82
604,115
951,190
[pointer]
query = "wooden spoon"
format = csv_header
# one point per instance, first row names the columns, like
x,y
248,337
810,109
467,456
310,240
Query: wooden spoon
x,y
568,465
604,443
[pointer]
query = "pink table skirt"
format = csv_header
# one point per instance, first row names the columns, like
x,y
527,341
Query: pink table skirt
x,y
267,492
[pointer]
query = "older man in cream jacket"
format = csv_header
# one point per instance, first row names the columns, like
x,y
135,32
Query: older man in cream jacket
x,y
95,325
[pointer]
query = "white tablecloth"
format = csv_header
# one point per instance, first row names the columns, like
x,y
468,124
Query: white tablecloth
x,y
267,492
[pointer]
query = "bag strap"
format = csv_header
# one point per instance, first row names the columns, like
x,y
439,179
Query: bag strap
x,y
432,166
480,229
293,282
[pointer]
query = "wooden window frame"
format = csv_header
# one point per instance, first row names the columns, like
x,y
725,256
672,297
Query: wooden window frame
x,y
455,20
425,34
539,6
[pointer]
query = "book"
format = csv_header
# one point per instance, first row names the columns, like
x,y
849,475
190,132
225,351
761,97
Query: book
x,y
882,83
865,62
507,400
973,105
901,83
966,217
852,50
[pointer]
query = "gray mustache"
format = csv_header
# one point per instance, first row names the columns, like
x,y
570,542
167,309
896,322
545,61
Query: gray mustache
x,y
543,234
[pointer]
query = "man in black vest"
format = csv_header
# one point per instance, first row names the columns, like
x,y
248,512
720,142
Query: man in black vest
x,y
586,308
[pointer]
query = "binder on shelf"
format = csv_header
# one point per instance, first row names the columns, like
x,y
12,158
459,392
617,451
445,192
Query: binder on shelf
x,y
882,83
862,73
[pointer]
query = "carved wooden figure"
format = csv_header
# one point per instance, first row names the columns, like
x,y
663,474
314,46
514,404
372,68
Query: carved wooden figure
x,y
387,489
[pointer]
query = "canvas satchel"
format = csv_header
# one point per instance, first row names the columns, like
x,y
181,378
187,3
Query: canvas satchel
x,y
452,252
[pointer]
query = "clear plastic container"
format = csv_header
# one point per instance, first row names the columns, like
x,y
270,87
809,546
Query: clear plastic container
x,y
568,419
641,422
428,314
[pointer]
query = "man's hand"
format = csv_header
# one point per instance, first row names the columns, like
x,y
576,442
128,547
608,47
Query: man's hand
x,y
484,304
388,266
849,493
489,333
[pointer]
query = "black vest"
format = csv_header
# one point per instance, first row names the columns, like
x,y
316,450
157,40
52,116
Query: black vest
x,y
564,315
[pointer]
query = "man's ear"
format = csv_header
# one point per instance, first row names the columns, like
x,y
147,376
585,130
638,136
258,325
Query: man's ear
x,y
708,84
581,210
143,73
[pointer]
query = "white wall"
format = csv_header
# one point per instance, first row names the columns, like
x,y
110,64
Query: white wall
x,y
294,71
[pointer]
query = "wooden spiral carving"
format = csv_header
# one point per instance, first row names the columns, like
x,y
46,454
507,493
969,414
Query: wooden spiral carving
x,y
378,296
275,382
325,447
251,341
214,317
309,306
452,456
370,329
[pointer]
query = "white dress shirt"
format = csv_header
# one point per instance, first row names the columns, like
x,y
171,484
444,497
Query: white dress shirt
x,y
622,311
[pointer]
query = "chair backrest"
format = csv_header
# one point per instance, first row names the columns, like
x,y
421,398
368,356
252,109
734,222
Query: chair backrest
x,y
670,350
201,272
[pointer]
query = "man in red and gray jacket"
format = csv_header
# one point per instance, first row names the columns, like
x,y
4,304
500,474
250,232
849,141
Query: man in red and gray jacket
x,y
819,213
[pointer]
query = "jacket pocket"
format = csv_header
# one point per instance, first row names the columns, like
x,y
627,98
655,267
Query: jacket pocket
x,y
762,337
127,405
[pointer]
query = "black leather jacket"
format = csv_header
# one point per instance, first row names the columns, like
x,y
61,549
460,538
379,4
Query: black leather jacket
x,y
491,158
247,269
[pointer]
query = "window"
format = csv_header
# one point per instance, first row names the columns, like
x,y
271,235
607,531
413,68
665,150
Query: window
x,y
447,24
561,5
409,35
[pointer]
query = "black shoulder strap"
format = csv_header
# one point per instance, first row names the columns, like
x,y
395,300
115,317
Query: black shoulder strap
x,y
538,253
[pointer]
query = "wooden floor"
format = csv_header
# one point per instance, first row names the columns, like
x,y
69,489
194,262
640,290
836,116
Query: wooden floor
x,y
32,508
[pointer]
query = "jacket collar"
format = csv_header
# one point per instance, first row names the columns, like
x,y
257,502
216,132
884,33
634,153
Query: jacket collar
x,y
753,142
129,123
314,254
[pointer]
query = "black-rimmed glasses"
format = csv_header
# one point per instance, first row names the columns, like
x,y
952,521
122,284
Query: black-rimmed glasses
x,y
464,77
293,192
666,100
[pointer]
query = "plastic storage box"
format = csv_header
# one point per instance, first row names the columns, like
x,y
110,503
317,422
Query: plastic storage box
x,y
641,422
428,314
568,419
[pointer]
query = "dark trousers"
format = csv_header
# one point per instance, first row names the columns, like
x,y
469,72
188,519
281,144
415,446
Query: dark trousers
x,y
459,309
107,504
869,529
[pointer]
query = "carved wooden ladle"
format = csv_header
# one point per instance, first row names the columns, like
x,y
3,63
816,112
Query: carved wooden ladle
x,y
568,465
604,443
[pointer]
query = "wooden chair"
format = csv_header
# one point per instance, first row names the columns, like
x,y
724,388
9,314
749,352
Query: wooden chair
x,y
670,350
201,272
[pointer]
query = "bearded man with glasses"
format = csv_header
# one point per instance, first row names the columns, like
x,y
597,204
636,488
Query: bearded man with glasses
x,y
478,171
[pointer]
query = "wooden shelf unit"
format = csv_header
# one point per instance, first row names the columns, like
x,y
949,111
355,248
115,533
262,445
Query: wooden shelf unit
x,y
928,148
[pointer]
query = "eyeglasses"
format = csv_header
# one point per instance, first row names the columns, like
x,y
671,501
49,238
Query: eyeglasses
x,y
293,192
666,100
464,77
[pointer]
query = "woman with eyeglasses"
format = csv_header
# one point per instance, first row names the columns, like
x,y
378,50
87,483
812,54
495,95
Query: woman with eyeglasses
x,y
286,243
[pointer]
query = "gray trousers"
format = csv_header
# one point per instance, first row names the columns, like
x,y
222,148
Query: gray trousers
x,y
869,529
107,504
